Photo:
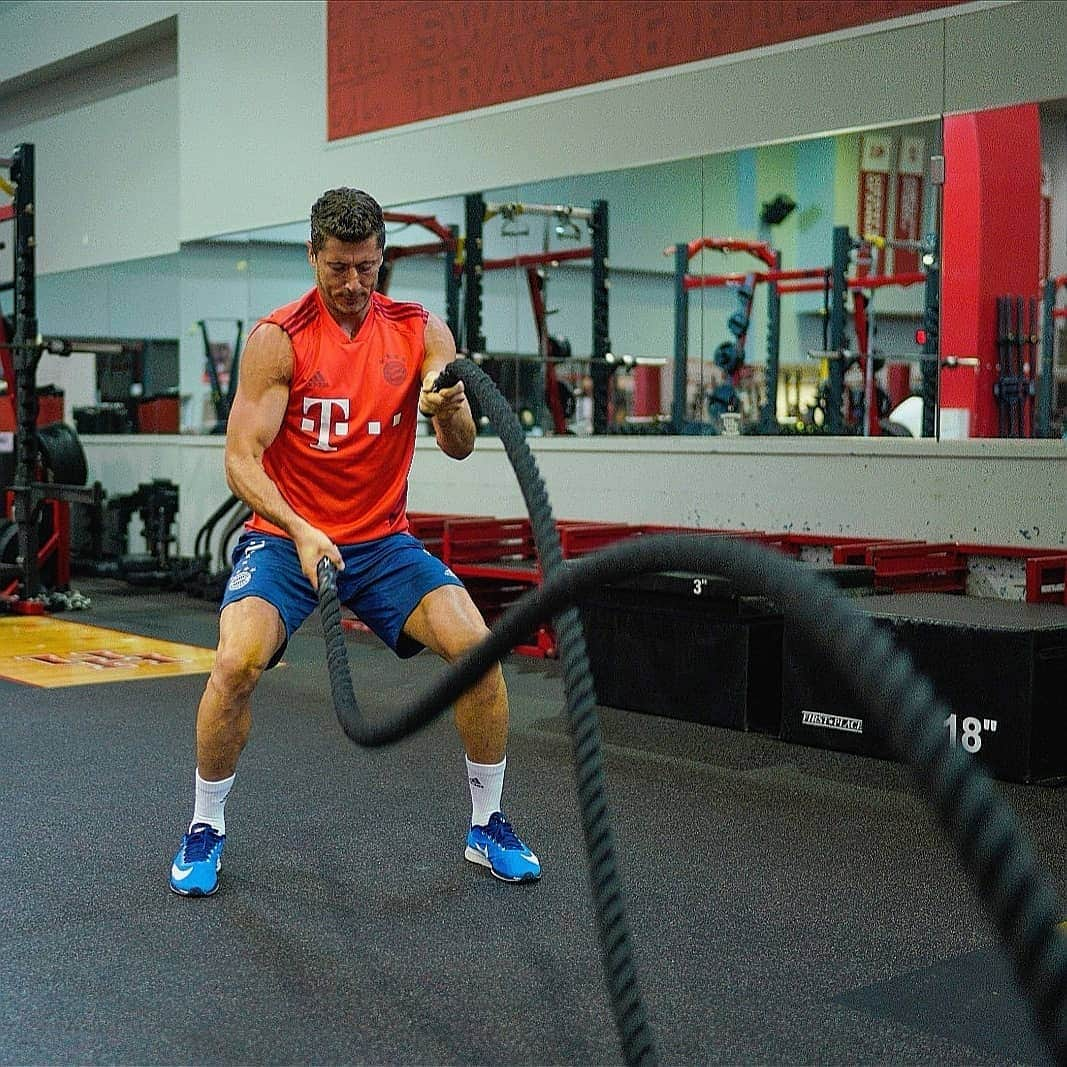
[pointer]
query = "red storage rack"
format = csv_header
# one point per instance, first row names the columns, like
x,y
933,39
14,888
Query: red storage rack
x,y
429,528
498,562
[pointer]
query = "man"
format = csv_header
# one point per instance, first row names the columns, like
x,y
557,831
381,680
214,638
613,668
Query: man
x,y
319,444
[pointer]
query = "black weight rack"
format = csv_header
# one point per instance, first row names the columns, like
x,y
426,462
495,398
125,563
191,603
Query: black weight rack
x,y
27,346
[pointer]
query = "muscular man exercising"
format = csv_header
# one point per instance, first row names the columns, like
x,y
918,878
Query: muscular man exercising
x,y
319,444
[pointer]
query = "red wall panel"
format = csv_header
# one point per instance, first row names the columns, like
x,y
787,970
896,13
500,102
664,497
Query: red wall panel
x,y
391,62
991,244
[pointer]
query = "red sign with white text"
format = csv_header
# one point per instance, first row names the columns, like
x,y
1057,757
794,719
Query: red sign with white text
x,y
908,210
872,211
392,62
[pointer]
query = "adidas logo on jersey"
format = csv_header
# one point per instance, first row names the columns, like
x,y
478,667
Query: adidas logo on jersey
x,y
318,381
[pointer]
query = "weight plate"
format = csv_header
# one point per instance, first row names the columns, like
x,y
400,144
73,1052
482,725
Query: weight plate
x,y
62,454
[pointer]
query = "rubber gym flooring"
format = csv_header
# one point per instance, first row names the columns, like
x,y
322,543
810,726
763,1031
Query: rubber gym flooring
x,y
788,905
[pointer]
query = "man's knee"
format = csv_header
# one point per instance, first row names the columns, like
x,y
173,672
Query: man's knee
x,y
237,671
250,632
448,622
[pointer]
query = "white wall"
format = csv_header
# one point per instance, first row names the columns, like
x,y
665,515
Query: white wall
x,y
272,116
38,35
1054,156
993,55
106,179
866,487
1005,54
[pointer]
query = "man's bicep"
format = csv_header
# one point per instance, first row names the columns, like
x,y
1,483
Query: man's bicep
x,y
262,391
440,346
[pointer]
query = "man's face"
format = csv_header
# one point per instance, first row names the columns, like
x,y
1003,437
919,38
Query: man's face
x,y
346,275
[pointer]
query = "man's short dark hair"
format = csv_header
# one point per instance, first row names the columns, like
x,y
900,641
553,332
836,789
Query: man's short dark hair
x,y
350,215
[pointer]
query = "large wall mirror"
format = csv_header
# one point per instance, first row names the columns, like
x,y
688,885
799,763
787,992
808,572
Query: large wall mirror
x,y
783,289
740,327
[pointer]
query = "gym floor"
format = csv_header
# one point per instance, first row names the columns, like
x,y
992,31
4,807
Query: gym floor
x,y
789,905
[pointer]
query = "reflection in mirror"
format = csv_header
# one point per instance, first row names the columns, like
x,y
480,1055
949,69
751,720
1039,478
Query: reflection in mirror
x,y
794,285
1050,416
739,284
227,284
565,296
662,347
813,281
572,294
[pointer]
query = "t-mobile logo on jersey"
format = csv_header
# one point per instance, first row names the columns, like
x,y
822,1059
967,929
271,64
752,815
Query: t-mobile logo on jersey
x,y
321,425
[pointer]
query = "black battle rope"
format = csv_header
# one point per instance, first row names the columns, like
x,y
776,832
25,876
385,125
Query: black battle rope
x,y
613,927
1011,884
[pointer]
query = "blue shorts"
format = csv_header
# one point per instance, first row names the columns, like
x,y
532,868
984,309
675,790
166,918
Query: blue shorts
x,y
383,582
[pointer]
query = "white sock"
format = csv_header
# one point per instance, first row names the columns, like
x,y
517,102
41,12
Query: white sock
x,y
486,782
211,802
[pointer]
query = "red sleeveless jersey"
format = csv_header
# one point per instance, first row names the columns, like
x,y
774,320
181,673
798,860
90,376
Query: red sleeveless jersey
x,y
342,456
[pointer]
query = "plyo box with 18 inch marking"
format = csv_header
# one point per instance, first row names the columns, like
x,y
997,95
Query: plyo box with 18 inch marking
x,y
999,665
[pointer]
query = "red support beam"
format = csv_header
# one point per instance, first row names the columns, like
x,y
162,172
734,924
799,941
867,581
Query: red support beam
x,y
427,222
872,281
760,249
431,248
714,281
990,247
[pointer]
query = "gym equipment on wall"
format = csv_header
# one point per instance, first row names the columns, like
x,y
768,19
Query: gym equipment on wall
x,y
838,355
221,360
548,388
21,579
865,411
447,245
730,355
1046,385
832,281
1017,340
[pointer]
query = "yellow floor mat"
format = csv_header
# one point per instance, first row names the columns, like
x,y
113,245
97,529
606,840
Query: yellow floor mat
x,y
49,653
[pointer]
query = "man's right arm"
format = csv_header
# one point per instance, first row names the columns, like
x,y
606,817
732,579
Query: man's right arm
x,y
256,416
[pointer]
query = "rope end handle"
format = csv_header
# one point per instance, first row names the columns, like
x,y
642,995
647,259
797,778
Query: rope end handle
x,y
447,378
327,575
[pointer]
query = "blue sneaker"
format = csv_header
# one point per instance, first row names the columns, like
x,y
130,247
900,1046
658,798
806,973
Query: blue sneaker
x,y
497,847
195,871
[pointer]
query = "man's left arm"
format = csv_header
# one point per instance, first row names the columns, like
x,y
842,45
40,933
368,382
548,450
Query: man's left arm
x,y
449,409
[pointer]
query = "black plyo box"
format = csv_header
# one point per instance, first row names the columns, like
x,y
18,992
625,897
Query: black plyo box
x,y
1000,666
686,646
